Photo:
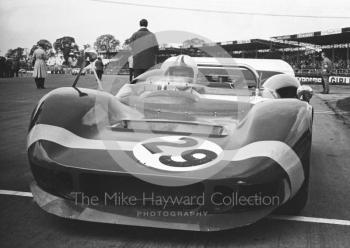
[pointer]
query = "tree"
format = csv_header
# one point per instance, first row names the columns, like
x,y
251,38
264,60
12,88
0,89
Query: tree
x,y
126,44
66,45
16,53
45,44
193,42
86,46
9,53
106,42
33,49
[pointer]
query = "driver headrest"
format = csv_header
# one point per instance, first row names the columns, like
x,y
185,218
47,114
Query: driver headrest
x,y
182,65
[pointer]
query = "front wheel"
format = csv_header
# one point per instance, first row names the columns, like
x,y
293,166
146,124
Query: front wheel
x,y
298,202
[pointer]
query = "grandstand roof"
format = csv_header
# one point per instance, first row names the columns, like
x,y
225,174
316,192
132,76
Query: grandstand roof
x,y
253,45
328,37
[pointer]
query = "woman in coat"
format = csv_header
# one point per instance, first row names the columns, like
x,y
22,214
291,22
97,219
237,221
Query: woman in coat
x,y
39,73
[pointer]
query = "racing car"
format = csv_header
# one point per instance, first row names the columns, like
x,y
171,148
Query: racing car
x,y
200,144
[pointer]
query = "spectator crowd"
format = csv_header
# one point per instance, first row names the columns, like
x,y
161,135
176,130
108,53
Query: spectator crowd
x,y
11,67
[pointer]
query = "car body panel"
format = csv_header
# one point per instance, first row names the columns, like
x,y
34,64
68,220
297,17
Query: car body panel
x,y
89,144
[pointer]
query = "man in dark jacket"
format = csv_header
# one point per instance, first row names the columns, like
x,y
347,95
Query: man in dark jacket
x,y
8,67
15,67
145,48
99,68
327,67
2,66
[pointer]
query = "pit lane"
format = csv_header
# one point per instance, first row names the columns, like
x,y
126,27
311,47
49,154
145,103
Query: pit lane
x,y
24,224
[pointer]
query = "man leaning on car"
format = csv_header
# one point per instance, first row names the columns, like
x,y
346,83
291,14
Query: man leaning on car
x,y
144,47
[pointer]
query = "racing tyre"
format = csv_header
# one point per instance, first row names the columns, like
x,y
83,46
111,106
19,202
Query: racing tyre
x,y
298,202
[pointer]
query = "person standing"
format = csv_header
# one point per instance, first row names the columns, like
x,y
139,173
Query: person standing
x,y
131,68
326,72
2,66
51,63
8,67
15,66
144,47
39,73
99,68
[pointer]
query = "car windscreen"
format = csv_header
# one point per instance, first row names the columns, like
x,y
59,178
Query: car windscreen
x,y
226,77
210,80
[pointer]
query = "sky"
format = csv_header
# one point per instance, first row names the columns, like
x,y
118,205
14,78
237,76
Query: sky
x,y
24,22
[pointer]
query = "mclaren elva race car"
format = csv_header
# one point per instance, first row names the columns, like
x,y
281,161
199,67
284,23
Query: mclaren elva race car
x,y
198,144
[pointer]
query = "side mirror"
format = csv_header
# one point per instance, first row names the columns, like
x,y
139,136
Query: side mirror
x,y
305,93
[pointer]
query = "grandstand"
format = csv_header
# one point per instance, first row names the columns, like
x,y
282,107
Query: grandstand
x,y
254,48
335,43
302,51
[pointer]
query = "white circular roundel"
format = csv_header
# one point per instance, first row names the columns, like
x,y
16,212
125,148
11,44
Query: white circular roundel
x,y
177,153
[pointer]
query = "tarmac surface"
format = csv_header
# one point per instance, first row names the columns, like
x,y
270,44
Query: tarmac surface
x,y
324,222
